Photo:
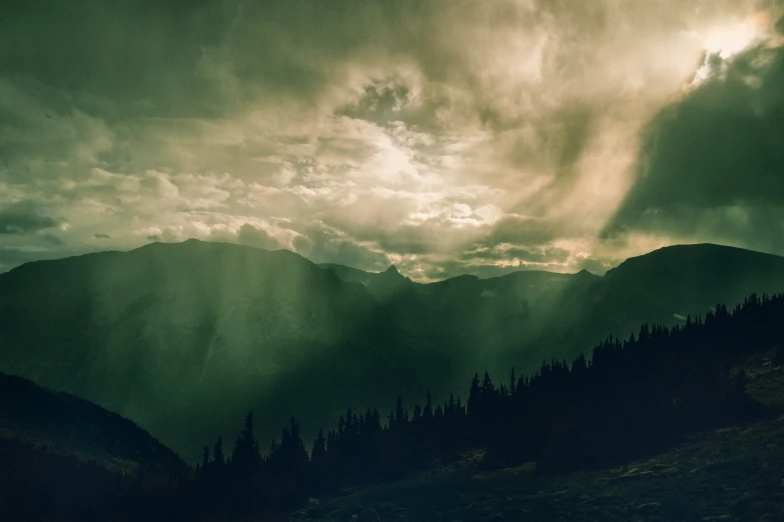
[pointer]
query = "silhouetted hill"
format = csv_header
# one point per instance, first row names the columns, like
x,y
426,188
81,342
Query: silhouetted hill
x,y
69,426
184,338
663,287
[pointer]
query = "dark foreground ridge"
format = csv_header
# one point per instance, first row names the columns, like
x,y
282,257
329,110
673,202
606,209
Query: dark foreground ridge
x,y
72,427
726,474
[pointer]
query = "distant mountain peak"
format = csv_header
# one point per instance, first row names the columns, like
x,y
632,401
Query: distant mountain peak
x,y
391,276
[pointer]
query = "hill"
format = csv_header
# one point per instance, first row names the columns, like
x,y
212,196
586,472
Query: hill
x,y
68,425
727,473
64,458
662,287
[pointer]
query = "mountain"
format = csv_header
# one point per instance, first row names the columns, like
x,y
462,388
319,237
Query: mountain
x,y
662,287
525,317
186,338
465,305
70,426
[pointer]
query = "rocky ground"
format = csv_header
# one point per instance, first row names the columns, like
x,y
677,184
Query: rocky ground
x,y
734,473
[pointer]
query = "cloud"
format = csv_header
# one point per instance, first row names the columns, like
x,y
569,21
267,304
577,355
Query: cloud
x,y
258,237
24,218
439,136
711,163
321,244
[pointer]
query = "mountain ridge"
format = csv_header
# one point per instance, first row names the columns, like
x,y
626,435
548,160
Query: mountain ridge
x,y
351,269
171,334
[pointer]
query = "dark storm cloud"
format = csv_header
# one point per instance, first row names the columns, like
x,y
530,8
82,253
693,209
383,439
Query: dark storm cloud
x,y
137,53
24,218
180,57
712,165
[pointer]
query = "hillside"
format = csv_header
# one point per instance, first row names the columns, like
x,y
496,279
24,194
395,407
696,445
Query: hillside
x,y
729,473
69,426
662,287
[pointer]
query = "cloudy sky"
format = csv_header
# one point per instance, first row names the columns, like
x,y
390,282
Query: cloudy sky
x,y
444,136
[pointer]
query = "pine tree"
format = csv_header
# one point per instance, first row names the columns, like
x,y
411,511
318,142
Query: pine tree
x,y
217,454
512,382
205,458
474,397
427,412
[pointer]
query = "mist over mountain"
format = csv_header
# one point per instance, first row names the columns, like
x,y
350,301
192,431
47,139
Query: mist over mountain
x,y
184,338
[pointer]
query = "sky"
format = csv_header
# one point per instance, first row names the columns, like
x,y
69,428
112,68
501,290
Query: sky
x,y
441,136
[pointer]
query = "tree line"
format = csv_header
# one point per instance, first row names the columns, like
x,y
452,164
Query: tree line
x,y
630,398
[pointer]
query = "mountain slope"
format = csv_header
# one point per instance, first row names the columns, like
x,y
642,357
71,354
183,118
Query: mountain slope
x,y
185,338
664,287
71,426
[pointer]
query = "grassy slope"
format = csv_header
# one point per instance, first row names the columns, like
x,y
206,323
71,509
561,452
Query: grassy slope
x,y
734,473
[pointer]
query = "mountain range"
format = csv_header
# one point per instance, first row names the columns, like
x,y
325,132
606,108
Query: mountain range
x,y
185,338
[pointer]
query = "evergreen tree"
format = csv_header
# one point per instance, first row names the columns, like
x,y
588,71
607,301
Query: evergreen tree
x,y
217,454
427,411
